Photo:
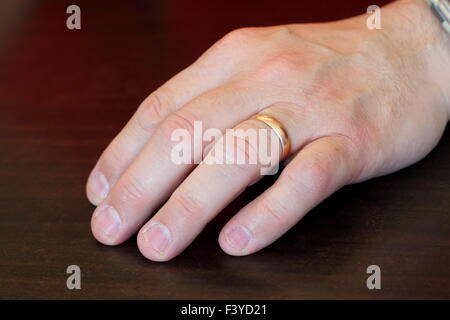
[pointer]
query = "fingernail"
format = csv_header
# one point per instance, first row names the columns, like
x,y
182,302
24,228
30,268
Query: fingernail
x,y
238,237
157,236
108,220
98,185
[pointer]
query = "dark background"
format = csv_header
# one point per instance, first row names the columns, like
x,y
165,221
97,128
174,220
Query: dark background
x,y
65,94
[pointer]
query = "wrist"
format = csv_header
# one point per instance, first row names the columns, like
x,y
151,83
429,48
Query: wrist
x,y
413,25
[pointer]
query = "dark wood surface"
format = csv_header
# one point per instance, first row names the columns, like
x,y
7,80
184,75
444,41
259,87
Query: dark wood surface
x,y
65,94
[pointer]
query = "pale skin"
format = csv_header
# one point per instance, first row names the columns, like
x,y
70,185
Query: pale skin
x,y
356,103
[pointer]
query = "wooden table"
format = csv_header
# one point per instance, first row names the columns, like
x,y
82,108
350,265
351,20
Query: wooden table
x,y
65,94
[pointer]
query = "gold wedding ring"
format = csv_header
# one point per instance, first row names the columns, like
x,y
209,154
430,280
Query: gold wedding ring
x,y
276,126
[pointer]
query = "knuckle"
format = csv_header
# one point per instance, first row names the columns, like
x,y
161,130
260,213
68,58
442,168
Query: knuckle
x,y
274,212
351,152
178,120
234,40
113,157
286,32
227,47
364,146
278,66
188,208
152,111
312,175
131,190
238,36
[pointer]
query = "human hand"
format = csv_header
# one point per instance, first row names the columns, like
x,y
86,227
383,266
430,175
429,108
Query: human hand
x,y
356,103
